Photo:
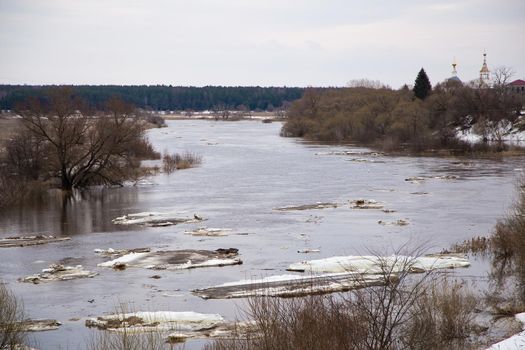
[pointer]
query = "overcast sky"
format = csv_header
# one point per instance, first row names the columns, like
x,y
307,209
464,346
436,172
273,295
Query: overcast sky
x,y
255,42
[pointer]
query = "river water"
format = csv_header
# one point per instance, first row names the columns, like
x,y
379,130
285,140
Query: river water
x,y
247,171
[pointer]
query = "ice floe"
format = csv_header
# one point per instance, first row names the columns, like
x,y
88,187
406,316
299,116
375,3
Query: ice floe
x,y
317,205
39,325
375,264
222,331
400,222
418,179
176,327
210,232
365,160
176,259
290,285
350,153
115,253
154,219
142,321
307,251
57,272
366,204
22,241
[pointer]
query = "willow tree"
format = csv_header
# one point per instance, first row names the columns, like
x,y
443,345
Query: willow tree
x,y
84,147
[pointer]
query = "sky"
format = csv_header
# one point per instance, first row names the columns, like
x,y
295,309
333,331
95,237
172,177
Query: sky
x,y
255,42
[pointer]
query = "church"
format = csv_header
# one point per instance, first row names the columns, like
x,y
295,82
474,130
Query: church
x,y
484,80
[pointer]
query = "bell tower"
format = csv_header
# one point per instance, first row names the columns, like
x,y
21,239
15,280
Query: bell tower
x,y
484,73
454,65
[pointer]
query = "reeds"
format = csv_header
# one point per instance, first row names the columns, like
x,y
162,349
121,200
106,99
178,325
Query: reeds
x,y
176,161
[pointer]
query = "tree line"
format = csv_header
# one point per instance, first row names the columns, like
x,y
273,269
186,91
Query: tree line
x,y
162,97
421,119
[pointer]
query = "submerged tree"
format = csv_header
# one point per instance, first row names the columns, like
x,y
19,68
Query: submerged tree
x,y
82,147
422,86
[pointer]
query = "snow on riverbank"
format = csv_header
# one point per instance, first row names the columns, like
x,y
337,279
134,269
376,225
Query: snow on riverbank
x,y
515,342
503,130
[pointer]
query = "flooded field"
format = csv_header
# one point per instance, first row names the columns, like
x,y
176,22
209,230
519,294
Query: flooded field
x,y
279,201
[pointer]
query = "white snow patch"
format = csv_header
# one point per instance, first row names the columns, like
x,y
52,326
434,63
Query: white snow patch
x,y
289,285
154,219
157,320
167,260
374,264
125,259
515,342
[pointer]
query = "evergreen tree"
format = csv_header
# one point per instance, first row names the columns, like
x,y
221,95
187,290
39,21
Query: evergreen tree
x,y
422,85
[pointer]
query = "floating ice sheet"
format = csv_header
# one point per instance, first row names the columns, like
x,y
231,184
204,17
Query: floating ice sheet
x,y
154,219
22,241
366,204
39,325
317,205
57,272
289,285
115,253
176,327
374,264
176,259
210,232
188,321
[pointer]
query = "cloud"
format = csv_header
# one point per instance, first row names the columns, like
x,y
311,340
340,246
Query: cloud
x,y
257,42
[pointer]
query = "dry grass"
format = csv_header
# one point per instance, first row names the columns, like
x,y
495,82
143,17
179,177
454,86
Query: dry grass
x,y
313,322
176,161
442,317
508,249
11,313
126,340
406,312
476,245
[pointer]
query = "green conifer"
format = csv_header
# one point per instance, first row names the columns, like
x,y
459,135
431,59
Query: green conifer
x,y
422,85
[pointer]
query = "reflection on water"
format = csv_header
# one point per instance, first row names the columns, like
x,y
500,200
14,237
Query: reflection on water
x,y
247,170
68,213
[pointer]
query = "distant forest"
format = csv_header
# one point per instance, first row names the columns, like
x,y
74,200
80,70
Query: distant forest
x,y
162,97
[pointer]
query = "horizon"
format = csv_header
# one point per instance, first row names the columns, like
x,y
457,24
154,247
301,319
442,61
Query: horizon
x,y
260,43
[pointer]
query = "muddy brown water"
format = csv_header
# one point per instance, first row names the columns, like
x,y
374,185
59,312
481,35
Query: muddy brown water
x,y
247,171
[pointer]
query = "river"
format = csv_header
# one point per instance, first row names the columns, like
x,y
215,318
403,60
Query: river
x,y
247,170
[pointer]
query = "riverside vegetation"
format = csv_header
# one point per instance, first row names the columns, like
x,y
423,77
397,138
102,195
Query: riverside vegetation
x,y
63,142
396,120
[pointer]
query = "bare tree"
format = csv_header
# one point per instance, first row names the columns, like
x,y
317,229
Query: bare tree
x,y
501,76
367,83
86,148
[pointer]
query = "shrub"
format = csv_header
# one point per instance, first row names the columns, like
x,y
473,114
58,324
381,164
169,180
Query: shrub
x,y
126,340
11,314
312,322
176,161
441,318
508,248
